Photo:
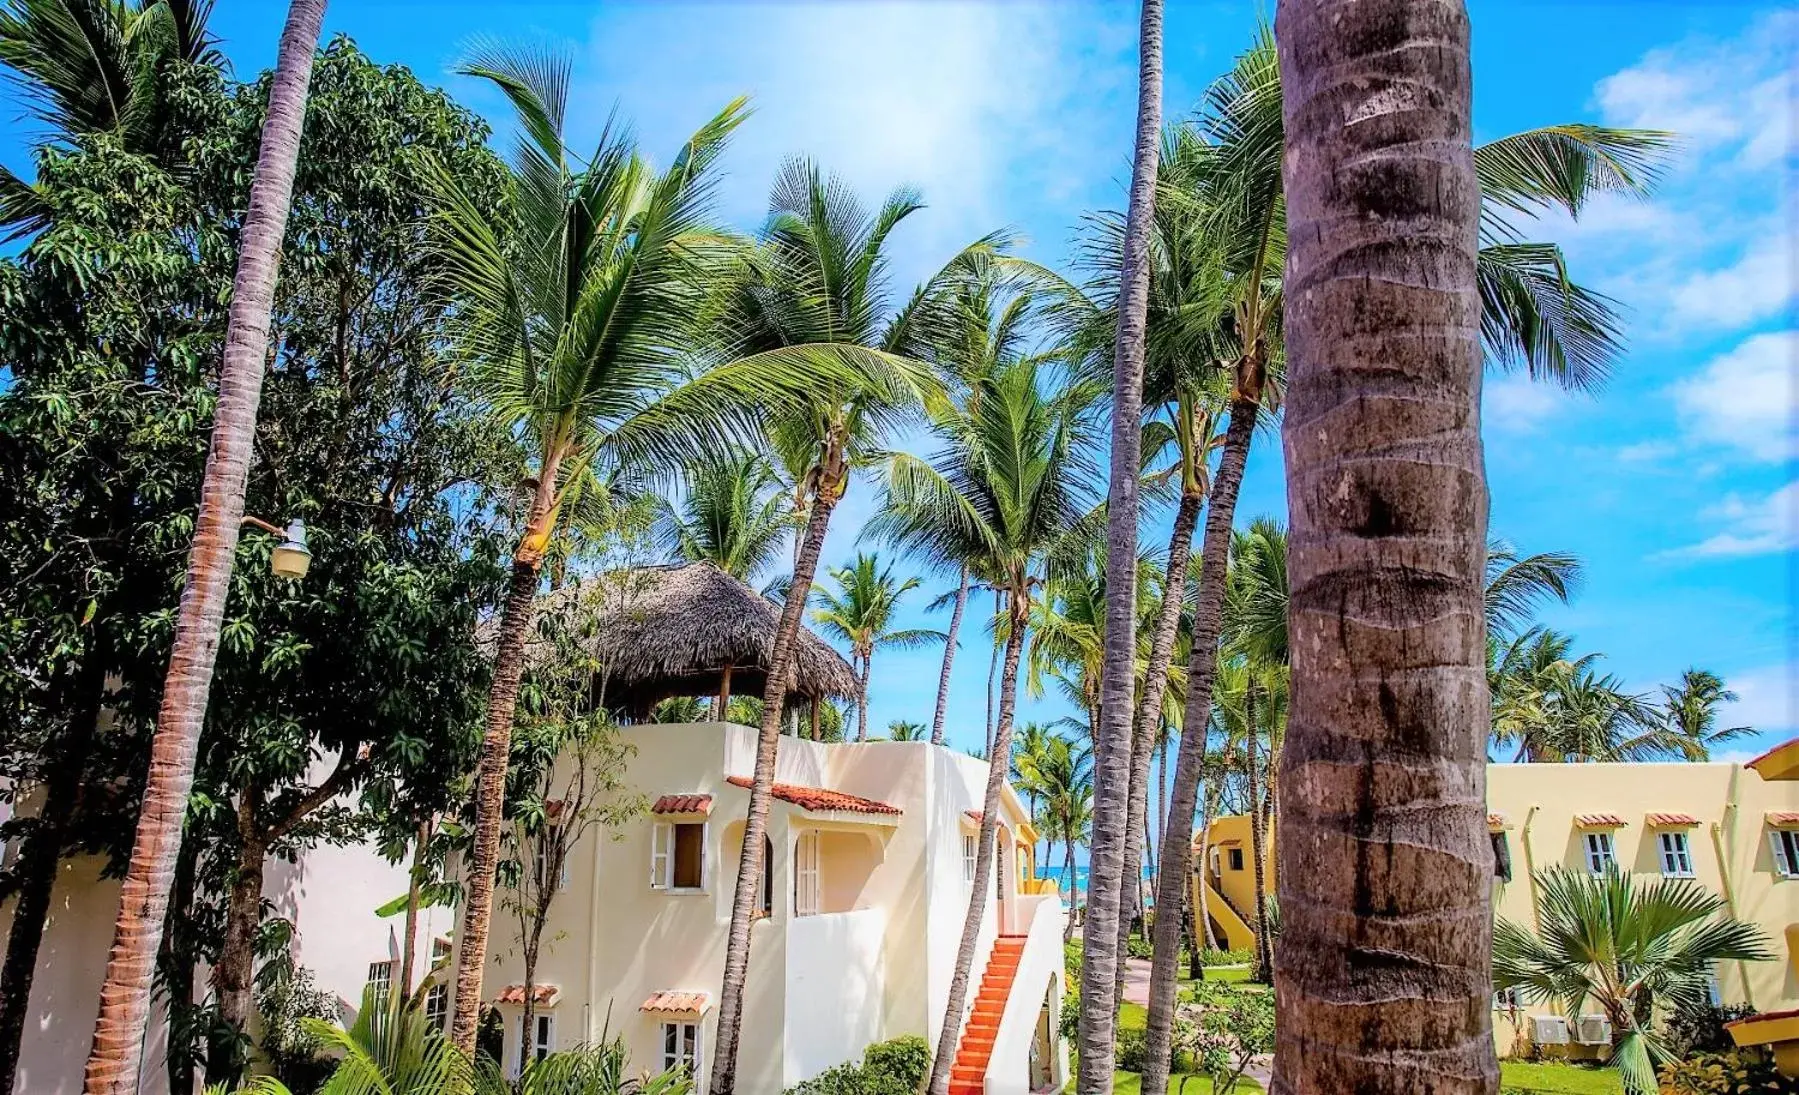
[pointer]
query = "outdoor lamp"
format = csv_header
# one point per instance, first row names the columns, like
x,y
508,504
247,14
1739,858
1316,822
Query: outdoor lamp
x,y
290,559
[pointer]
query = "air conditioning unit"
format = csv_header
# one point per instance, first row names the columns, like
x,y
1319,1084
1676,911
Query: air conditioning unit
x,y
1548,1030
1593,1030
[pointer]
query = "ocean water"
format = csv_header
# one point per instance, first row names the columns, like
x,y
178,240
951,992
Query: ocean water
x,y
1080,878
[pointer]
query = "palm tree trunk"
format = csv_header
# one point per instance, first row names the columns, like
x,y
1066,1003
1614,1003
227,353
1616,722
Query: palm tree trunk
x,y
1149,705
414,884
1258,839
1110,847
999,602
1189,762
1205,879
985,851
117,1054
749,865
1073,890
949,657
1161,795
41,854
862,697
1385,866
235,972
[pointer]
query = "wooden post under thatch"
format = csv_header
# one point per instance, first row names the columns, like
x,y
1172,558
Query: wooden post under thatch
x,y
724,694
815,731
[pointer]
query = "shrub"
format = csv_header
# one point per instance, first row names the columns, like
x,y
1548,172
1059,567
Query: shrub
x,y
895,1067
1699,1028
1139,947
1214,956
1738,1072
1132,1049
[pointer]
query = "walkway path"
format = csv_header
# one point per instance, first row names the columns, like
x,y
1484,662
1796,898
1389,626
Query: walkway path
x,y
1136,990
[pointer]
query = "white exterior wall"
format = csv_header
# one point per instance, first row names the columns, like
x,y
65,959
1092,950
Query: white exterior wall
x,y
1040,972
835,989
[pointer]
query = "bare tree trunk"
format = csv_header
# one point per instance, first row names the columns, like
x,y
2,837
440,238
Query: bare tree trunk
x,y
117,1054
862,697
750,866
1258,840
1385,881
41,854
1149,706
1189,763
1074,889
949,657
951,1033
1161,794
999,603
1109,848
234,974
1205,829
414,884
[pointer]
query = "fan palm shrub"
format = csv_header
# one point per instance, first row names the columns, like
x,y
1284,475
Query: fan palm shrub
x,y
1633,949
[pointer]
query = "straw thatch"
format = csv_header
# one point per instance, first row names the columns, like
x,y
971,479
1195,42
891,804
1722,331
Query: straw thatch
x,y
665,631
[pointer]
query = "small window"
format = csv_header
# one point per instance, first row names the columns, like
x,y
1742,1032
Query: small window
x,y
971,854
1236,856
678,856
1508,999
1677,860
1600,857
805,875
437,1005
381,979
539,1047
1502,856
681,1048
1785,843
440,949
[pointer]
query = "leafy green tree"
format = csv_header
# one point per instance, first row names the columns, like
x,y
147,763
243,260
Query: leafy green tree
x,y
1631,948
860,612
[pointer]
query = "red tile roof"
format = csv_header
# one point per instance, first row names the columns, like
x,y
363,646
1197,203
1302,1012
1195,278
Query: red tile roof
x,y
819,798
1782,818
553,809
1771,752
1671,821
675,1002
976,816
683,804
515,994
1599,821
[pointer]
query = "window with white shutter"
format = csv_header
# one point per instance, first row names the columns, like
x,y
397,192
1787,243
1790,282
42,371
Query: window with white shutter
x,y
806,875
1785,844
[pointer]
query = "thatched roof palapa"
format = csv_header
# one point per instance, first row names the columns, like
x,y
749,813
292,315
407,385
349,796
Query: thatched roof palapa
x,y
665,631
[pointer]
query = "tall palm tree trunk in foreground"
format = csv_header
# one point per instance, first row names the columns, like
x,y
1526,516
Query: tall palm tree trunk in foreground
x,y
117,1053
1149,711
750,866
496,753
1381,974
949,657
1189,762
985,850
1112,760
1263,967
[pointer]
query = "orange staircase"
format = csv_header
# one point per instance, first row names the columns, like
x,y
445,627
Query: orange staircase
x,y
968,1076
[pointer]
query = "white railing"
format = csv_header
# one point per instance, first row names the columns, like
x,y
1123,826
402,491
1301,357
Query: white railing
x,y
1039,967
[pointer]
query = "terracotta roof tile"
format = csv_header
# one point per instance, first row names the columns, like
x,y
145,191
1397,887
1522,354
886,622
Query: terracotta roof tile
x,y
683,804
820,798
975,816
515,994
676,1002
1782,819
1671,821
1599,821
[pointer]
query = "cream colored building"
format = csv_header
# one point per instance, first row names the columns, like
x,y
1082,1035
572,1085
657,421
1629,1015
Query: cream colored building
x,y
1722,825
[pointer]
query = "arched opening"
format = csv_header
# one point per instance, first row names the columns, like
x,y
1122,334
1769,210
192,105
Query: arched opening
x,y
767,908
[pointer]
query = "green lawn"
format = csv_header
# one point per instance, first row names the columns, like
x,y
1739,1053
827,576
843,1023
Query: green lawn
x,y
1224,973
1555,1078
1129,1083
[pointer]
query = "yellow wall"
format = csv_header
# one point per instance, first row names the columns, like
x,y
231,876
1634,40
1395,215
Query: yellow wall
x,y
1729,848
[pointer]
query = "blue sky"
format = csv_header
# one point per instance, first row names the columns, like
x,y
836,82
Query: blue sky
x,y
1675,485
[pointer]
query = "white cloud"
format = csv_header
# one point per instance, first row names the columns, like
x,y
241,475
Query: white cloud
x,y
1647,452
1743,399
1751,526
1767,699
1517,404
1754,287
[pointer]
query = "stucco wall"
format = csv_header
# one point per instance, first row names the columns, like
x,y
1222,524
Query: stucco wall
x,y
834,987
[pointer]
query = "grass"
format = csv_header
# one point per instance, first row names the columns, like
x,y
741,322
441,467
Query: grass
x,y
1557,1078
1224,973
1135,1016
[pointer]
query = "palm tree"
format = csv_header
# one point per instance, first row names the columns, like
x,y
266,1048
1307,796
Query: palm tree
x,y
1636,950
819,279
117,1052
1011,483
1532,317
901,730
861,613
1101,980
580,311
1558,709
1388,505
1690,711
1063,778
1517,584
731,516
1031,750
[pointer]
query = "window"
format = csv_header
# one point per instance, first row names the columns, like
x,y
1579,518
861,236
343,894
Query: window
x,y
381,979
546,848
805,875
1508,1000
1677,860
437,1005
678,856
440,949
1502,856
1785,843
1236,859
681,1048
971,854
541,1046
1599,853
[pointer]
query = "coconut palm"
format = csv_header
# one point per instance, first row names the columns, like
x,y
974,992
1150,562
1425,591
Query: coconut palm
x,y
117,1052
1062,777
580,308
1388,506
861,612
1031,747
1689,711
818,277
1011,484
1634,949
1517,584
902,730
731,516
